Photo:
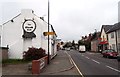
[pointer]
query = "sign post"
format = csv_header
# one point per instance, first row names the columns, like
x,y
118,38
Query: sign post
x,y
48,35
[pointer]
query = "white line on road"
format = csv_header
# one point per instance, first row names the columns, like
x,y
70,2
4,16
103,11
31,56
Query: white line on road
x,y
82,55
77,68
75,65
96,61
87,57
112,68
90,53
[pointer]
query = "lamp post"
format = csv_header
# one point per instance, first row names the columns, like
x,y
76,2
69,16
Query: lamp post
x,y
48,35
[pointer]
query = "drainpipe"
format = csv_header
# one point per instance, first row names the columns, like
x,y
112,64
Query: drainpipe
x,y
116,41
48,35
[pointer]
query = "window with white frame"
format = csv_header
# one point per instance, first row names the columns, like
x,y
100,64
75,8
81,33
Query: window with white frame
x,y
112,35
118,33
118,46
113,46
0,41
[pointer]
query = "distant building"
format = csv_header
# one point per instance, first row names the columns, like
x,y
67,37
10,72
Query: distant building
x,y
26,30
95,42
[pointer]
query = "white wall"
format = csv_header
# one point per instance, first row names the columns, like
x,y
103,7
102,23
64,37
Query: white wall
x,y
11,35
0,34
118,40
119,11
103,34
112,40
13,31
0,29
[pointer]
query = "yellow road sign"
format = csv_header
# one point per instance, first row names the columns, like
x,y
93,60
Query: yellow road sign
x,y
48,33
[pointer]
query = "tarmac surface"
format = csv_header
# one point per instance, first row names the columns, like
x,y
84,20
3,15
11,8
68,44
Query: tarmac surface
x,y
60,65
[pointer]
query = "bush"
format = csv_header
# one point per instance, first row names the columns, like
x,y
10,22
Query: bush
x,y
34,54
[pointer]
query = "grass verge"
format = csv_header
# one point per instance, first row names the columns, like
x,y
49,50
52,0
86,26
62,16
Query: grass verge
x,y
14,61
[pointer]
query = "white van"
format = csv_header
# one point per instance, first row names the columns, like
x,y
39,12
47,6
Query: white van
x,y
82,48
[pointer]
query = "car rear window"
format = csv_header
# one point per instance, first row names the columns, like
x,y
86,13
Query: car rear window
x,y
110,50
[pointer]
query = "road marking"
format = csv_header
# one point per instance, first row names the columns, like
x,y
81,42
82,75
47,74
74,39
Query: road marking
x,y
75,65
96,61
90,53
112,68
87,57
82,55
77,68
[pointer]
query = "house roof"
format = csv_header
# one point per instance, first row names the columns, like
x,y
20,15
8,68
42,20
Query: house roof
x,y
95,36
12,19
106,27
34,14
114,27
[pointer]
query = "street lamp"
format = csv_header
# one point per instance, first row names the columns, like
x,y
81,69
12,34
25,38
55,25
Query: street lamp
x,y
48,31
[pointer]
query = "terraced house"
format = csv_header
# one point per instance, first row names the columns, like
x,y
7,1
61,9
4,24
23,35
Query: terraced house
x,y
114,37
104,37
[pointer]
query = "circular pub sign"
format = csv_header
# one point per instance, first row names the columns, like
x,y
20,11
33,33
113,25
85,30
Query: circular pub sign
x,y
29,27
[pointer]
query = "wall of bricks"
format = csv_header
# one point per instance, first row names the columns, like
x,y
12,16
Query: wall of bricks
x,y
38,65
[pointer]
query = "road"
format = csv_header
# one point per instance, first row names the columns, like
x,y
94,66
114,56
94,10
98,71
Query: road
x,y
94,64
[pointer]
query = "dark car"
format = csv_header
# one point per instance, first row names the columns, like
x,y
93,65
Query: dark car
x,y
109,53
118,58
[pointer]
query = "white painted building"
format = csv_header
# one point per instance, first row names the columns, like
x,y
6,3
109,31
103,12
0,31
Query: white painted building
x,y
118,40
114,37
112,40
26,30
104,37
0,34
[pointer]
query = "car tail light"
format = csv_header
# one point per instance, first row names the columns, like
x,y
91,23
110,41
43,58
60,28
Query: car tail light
x,y
111,54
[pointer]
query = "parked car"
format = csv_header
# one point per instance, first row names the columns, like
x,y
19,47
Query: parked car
x,y
118,58
109,53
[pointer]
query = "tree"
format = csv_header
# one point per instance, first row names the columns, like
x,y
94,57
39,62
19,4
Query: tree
x,y
80,42
73,43
62,43
87,44
68,44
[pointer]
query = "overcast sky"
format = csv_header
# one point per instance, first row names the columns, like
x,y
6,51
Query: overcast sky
x,y
71,19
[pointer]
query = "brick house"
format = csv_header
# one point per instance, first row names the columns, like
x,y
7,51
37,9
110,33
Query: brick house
x,y
95,42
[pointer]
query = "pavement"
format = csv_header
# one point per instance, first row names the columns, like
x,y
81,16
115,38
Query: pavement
x,y
61,64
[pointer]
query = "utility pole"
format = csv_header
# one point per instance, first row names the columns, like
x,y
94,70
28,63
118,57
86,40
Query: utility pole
x,y
48,35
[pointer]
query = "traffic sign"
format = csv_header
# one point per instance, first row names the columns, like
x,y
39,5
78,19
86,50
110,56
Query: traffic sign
x,y
48,33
